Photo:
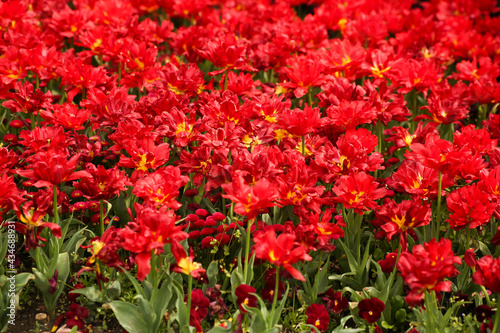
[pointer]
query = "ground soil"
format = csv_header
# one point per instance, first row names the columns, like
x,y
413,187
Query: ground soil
x,y
25,321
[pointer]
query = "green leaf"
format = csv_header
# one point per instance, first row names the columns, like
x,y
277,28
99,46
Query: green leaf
x,y
277,312
134,281
400,315
160,303
386,325
212,271
92,293
321,280
353,262
182,309
42,283
75,241
114,290
130,318
22,280
341,329
219,329
258,324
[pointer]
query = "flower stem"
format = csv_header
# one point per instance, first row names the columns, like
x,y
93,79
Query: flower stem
x,y
247,247
380,131
467,245
190,289
485,292
496,324
276,288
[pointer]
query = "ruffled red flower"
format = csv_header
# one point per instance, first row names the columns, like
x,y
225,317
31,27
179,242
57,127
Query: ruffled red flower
x,y
488,273
469,206
52,167
103,250
397,218
103,183
300,122
358,191
161,187
151,230
435,153
281,251
427,267
250,201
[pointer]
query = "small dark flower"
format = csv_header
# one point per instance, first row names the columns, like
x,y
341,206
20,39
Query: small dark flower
x,y
371,309
199,308
76,316
73,296
318,316
334,301
243,297
388,263
484,312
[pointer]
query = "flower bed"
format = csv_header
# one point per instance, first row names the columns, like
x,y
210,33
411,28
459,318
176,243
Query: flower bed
x,y
251,166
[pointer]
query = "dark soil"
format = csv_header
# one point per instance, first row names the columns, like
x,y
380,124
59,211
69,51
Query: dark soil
x,y
25,321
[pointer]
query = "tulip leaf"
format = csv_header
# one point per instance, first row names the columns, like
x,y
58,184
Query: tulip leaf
x,y
130,318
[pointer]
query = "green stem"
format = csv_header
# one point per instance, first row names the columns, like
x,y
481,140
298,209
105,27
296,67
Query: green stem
x,y
485,292
380,130
247,248
101,211
395,268
467,245
483,111
496,325
276,288
413,124
190,289
309,96
358,245
438,212
154,271
56,214
231,211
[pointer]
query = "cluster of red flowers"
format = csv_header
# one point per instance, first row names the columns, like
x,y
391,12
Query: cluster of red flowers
x,y
184,121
